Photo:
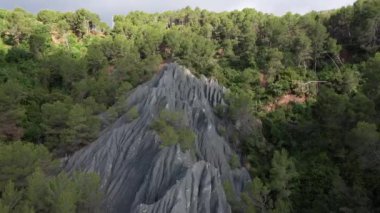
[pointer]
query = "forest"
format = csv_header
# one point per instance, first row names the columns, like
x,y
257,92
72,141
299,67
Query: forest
x,y
312,80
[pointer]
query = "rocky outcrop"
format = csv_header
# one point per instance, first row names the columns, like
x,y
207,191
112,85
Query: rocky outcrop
x,y
140,176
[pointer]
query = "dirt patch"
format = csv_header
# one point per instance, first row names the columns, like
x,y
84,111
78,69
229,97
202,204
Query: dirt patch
x,y
98,33
110,69
288,98
263,80
163,64
57,38
284,100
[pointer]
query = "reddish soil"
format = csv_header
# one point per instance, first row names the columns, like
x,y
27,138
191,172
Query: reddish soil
x,y
110,69
161,66
284,100
164,63
11,131
288,98
263,80
57,39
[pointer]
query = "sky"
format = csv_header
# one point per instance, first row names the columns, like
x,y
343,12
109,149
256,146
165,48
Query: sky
x,y
107,8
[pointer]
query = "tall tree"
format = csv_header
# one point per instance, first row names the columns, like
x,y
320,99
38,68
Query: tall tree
x,y
282,175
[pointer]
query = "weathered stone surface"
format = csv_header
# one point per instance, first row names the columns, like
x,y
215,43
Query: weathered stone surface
x,y
139,176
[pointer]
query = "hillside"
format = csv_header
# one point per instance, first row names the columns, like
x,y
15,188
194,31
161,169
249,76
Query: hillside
x,y
190,110
139,171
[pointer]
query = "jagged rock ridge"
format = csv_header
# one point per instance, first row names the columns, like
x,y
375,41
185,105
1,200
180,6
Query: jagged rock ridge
x,y
139,176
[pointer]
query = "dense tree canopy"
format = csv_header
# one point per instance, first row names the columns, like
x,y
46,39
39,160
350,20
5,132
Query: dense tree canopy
x,y
313,80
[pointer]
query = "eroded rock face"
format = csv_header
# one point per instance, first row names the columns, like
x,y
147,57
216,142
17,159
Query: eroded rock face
x,y
139,176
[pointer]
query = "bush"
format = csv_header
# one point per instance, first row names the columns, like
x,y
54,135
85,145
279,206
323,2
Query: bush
x,y
29,181
16,55
234,161
173,118
186,139
133,113
172,130
166,133
231,196
19,160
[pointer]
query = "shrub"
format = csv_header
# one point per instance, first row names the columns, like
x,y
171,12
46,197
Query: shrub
x,y
133,113
172,129
234,161
186,139
18,160
17,55
167,135
231,196
173,118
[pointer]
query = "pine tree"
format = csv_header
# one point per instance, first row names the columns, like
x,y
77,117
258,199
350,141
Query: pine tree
x,y
282,175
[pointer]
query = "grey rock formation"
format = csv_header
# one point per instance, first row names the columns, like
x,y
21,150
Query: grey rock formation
x,y
139,176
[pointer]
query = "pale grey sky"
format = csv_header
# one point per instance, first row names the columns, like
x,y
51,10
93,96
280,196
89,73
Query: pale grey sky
x,y
107,8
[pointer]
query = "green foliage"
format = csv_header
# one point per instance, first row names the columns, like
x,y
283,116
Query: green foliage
x,y
67,127
37,190
172,129
19,160
282,175
28,183
17,54
83,127
166,133
331,108
54,118
366,24
48,16
318,177
364,140
59,71
260,192
19,25
133,113
11,110
82,21
39,41
10,196
372,77
89,195
231,195
3,51
186,139
61,193
249,207
234,161
272,63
